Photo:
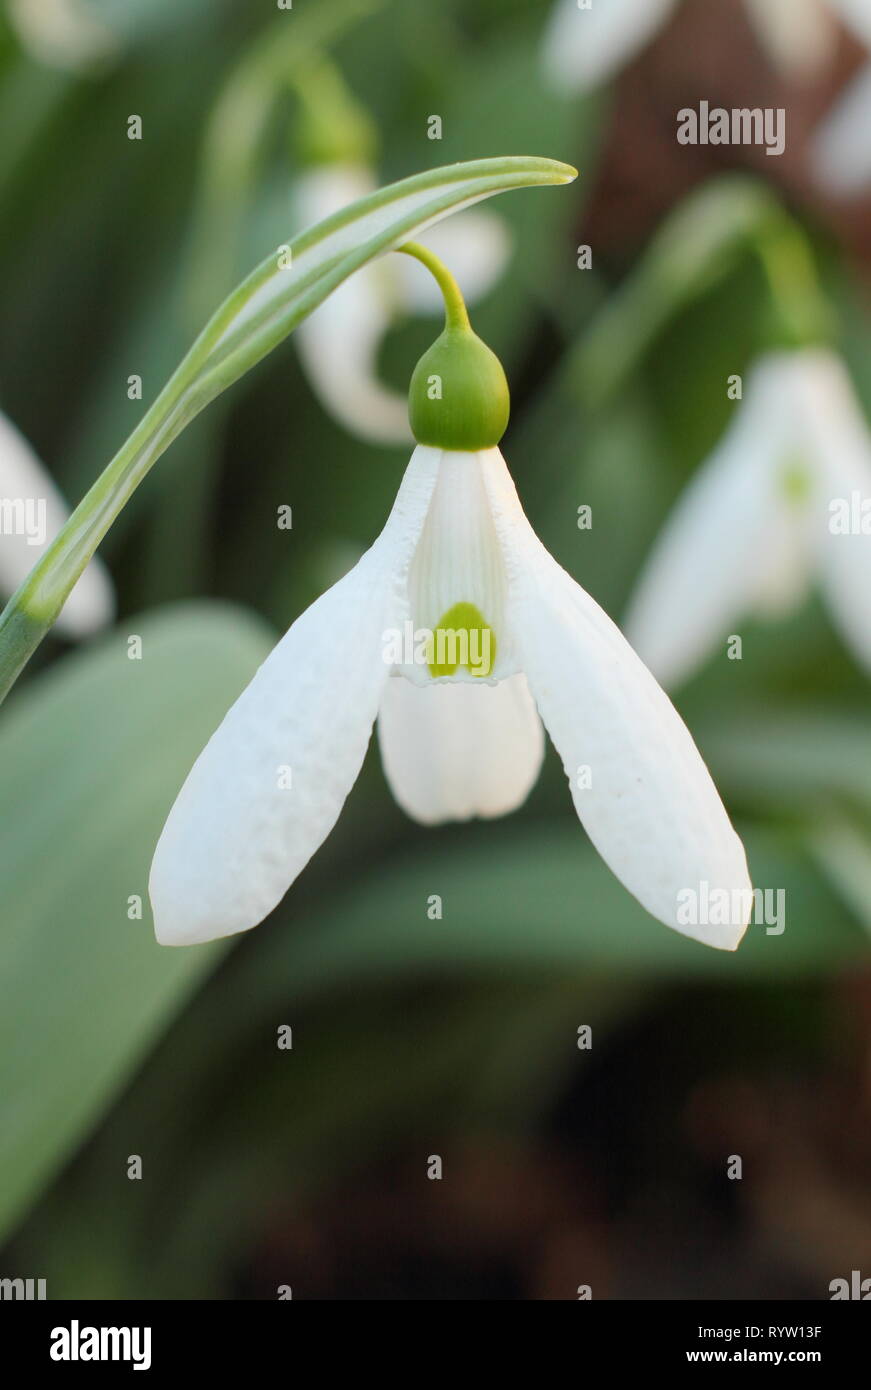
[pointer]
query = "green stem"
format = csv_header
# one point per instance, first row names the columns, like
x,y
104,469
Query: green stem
x,y
456,314
239,123
800,311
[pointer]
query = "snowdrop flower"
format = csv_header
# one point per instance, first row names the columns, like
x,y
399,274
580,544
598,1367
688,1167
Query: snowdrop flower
x,y
587,41
339,342
784,499
461,635
841,152
32,512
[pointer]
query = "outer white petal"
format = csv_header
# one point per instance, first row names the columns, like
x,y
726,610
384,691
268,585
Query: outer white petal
x,y
841,149
453,750
339,345
236,838
713,560
651,810
476,248
856,14
838,438
799,35
23,480
584,47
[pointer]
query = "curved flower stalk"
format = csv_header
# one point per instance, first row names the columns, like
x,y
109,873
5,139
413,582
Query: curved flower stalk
x,y
841,152
586,44
32,512
781,502
463,638
339,342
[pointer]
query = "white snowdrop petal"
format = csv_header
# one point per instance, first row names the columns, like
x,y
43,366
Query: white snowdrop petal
x,y
785,577
711,560
838,437
339,342
638,782
65,34
33,513
338,345
856,14
798,35
584,47
327,188
453,750
269,786
841,149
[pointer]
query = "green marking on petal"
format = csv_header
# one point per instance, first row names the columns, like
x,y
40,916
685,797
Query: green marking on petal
x,y
463,638
795,482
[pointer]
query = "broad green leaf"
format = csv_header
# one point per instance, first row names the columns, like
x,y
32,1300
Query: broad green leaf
x,y
91,757
843,850
541,899
796,759
257,316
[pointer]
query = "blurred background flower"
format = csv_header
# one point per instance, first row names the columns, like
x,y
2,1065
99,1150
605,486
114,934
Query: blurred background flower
x,y
436,984
777,507
841,157
36,512
586,43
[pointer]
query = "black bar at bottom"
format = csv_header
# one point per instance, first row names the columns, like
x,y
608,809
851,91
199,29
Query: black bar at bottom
x,y
66,1338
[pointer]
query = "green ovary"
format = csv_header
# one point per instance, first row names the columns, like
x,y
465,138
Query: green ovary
x,y
462,638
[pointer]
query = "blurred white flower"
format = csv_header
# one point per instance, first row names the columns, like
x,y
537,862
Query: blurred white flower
x,y
63,33
841,152
32,512
456,560
585,44
339,342
778,504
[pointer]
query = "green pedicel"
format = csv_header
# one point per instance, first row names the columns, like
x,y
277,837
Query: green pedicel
x,y
458,398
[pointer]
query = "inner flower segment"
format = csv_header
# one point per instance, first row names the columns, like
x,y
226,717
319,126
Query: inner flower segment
x,y
457,583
